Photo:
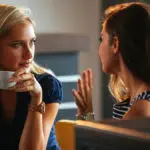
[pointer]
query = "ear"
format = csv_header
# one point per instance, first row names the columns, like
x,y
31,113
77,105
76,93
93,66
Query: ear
x,y
115,45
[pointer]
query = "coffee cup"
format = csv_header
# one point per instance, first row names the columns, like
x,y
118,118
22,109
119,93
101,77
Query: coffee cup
x,y
4,77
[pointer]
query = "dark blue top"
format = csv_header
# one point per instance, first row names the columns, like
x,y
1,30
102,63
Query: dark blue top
x,y
10,132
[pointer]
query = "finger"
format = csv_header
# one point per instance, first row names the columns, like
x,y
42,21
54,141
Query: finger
x,y
78,99
89,87
78,88
21,77
86,85
90,78
24,89
84,74
80,91
20,71
24,84
81,88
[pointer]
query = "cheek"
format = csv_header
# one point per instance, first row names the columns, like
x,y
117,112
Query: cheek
x,y
33,52
101,51
9,62
14,57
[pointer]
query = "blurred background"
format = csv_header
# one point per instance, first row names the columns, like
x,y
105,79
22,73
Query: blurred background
x,y
67,43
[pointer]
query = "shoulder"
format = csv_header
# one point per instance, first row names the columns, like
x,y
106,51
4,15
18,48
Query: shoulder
x,y
46,76
51,87
140,108
48,80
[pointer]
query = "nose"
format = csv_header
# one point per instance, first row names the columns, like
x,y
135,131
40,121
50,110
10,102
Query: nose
x,y
27,53
99,49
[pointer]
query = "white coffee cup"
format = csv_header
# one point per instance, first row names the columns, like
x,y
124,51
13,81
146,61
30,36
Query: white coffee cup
x,y
4,77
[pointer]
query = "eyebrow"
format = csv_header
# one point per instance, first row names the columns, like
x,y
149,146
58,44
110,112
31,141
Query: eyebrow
x,y
13,41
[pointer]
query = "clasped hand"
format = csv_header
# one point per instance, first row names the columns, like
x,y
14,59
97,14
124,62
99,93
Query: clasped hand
x,y
26,82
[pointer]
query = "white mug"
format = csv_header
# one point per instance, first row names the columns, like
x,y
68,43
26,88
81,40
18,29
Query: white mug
x,y
4,77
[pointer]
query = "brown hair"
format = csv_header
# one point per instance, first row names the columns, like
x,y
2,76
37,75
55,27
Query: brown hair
x,y
130,22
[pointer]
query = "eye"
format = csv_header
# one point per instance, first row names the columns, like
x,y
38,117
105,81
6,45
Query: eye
x,y
33,41
16,45
100,39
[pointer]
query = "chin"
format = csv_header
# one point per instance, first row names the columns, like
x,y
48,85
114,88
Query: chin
x,y
107,70
8,69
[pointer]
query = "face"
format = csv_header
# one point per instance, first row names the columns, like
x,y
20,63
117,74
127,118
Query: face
x,y
107,53
17,48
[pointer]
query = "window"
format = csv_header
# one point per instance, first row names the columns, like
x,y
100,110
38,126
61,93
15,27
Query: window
x,y
65,66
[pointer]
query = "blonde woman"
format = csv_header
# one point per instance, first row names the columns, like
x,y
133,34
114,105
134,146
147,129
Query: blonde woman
x,y
125,53
28,109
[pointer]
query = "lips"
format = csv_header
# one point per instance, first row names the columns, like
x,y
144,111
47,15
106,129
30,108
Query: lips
x,y
26,65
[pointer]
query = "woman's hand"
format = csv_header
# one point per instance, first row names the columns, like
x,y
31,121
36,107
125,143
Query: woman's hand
x,y
83,94
26,82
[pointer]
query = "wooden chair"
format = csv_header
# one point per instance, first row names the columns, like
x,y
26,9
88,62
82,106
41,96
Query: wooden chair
x,y
65,133
104,135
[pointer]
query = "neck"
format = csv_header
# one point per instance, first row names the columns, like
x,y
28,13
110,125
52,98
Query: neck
x,y
134,85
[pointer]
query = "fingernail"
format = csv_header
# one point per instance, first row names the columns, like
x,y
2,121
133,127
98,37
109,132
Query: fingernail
x,y
10,79
27,70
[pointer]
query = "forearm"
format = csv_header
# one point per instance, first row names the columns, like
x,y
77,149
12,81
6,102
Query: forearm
x,y
33,136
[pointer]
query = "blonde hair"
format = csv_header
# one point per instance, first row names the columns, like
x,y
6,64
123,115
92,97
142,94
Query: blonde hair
x,y
39,69
118,89
12,15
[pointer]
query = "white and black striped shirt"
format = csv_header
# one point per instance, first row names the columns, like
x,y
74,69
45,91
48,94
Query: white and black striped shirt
x,y
119,109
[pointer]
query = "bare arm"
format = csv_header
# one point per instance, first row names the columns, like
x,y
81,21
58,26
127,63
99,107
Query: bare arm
x,y
37,125
37,128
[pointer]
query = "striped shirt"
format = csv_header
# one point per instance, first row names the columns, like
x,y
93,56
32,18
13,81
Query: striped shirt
x,y
119,109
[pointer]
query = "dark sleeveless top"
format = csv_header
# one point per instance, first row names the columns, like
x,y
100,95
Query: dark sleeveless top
x,y
10,133
119,109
